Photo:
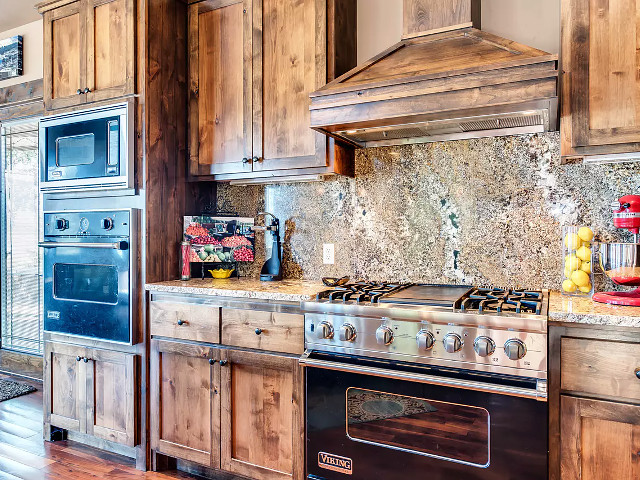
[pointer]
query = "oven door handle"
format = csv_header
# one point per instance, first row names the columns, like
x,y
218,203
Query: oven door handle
x,y
123,245
539,393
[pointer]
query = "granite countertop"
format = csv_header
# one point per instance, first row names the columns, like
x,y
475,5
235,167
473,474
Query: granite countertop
x,y
564,308
283,291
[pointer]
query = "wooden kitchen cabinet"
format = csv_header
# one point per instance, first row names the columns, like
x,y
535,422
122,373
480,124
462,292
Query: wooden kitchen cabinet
x,y
185,401
89,51
594,403
262,426
92,392
600,440
252,66
600,104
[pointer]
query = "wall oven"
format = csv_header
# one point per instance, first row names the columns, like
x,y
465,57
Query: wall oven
x,y
87,150
89,273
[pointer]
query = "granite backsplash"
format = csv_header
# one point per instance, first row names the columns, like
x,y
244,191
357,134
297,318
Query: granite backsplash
x,y
485,211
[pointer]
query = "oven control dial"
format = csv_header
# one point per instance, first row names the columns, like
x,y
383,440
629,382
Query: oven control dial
x,y
515,349
384,335
425,340
62,224
452,343
107,223
484,346
324,330
347,333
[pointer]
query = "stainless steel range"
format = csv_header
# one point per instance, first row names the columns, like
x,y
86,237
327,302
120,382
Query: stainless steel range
x,y
408,378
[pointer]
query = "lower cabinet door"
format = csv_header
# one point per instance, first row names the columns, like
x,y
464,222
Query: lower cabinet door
x,y
64,400
185,406
261,427
111,404
599,440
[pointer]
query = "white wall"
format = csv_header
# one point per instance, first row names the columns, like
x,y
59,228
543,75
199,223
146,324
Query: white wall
x,y
32,52
534,23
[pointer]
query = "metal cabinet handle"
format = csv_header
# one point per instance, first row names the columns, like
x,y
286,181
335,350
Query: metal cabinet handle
x,y
246,160
212,361
181,322
86,90
78,358
223,362
86,360
257,159
78,92
258,331
638,372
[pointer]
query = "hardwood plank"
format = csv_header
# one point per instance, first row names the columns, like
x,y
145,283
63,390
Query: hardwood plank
x,y
22,456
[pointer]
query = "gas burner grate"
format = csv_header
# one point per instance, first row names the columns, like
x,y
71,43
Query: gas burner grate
x,y
359,292
499,300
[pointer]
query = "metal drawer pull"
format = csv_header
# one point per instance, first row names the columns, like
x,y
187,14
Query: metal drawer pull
x,y
182,322
223,362
638,372
212,361
78,358
109,246
258,331
86,360
536,394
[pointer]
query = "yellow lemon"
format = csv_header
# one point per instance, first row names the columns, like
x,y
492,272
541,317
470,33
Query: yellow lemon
x,y
585,289
569,286
586,267
584,253
572,262
567,273
586,234
572,241
580,278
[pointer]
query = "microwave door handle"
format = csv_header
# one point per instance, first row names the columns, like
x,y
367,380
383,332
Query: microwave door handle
x,y
108,246
535,394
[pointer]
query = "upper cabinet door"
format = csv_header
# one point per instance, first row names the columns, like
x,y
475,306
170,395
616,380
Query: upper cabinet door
x,y
110,49
290,62
601,86
220,57
64,58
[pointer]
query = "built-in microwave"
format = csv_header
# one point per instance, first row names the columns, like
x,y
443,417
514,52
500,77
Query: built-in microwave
x,y
87,150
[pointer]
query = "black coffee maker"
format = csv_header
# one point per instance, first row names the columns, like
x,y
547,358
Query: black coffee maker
x,y
272,268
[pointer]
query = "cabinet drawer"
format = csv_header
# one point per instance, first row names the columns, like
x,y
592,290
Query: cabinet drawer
x,y
600,367
276,332
185,321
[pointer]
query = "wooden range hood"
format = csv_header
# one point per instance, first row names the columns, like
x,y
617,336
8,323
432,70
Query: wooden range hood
x,y
445,80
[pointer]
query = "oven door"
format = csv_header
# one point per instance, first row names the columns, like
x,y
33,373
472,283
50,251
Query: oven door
x,y
369,419
87,289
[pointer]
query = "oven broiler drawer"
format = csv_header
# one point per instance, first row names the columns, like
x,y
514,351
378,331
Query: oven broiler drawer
x,y
377,419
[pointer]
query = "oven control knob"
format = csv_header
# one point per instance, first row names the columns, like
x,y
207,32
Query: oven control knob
x,y
324,330
425,340
515,349
62,224
452,343
484,346
347,333
107,223
384,335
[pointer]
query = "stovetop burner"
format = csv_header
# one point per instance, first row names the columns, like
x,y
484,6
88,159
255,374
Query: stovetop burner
x,y
496,300
360,292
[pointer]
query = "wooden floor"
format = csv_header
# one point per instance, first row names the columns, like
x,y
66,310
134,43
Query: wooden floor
x,y
24,454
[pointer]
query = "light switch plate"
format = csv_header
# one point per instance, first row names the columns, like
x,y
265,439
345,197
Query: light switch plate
x,y
328,257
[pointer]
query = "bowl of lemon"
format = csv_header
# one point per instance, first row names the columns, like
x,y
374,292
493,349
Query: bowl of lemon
x,y
578,275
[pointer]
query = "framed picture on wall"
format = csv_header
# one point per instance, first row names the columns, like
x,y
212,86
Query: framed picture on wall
x,y
10,57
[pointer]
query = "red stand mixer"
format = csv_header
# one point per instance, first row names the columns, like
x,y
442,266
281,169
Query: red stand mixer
x,y
621,261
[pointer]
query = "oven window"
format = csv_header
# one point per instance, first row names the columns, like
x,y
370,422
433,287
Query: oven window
x,y
86,283
75,150
449,431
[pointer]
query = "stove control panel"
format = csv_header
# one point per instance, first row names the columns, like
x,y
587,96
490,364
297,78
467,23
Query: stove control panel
x,y
470,347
